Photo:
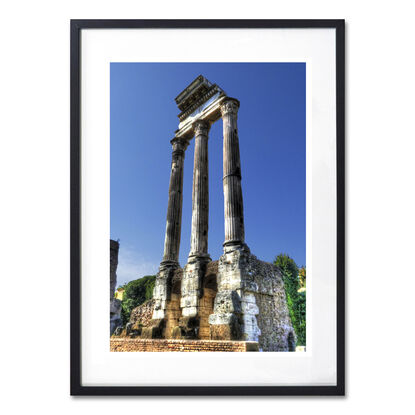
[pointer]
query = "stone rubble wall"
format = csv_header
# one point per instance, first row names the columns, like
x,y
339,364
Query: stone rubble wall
x,y
212,268
142,314
171,345
264,284
257,295
250,303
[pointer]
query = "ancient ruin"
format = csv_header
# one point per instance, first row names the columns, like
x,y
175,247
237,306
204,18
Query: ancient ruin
x,y
239,297
115,304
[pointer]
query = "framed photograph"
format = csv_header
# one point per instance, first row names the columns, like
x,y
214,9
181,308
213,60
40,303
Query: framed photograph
x,y
207,196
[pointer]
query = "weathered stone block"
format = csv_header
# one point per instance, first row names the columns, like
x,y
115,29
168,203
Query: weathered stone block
x,y
255,310
162,290
227,301
118,331
253,292
189,327
191,286
229,331
176,333
115,306
155,330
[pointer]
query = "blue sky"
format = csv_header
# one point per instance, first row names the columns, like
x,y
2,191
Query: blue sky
x,y
271,123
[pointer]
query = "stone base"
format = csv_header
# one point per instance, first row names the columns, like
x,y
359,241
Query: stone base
x,y
250,303
171,345
230,329
176,333
238,285
191,286
154,330
162,288
189,327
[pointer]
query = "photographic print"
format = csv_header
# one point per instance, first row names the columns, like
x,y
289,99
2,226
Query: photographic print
x,y
207,194
224,270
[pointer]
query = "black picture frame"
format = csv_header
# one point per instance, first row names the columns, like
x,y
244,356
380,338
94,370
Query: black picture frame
x,y
76,387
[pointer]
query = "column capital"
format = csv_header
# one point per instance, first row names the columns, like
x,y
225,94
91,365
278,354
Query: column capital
x,y
201,127
179,144
229,106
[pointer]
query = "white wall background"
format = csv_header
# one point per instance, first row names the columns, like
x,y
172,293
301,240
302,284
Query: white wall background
x,y
34,174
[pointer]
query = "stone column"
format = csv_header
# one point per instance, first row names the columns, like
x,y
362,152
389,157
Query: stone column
x,y
170,262
232,190
195,269
200,195
174,209
228,320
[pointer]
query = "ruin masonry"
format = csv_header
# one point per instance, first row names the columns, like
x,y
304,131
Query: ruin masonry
x,y
115,304
238,298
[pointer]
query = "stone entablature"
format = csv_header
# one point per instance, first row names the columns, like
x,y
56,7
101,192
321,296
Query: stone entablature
x,y
200,101
196,98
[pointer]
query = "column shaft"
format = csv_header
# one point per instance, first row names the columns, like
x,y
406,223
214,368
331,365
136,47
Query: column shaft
x,y
174,209
162,287
200,195
194,271
233,203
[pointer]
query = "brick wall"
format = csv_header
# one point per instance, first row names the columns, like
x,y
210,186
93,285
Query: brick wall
x,y
170,345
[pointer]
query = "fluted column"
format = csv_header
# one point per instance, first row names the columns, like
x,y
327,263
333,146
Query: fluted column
x,y
200,195
162,287
232,190
194,271
234,311
174,209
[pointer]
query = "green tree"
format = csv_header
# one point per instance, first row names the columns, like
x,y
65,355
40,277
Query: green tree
x,y
136,293
296,301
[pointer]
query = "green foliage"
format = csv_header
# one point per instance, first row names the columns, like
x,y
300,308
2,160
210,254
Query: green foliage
x,y
296,301
301,330
136,293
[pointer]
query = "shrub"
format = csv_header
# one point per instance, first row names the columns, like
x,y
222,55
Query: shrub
x,y
136,293
296,301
